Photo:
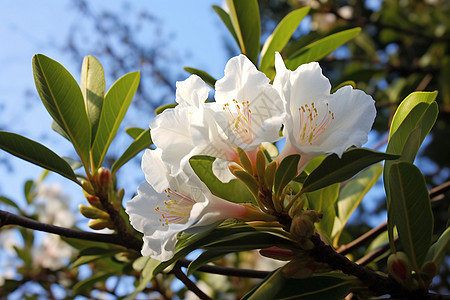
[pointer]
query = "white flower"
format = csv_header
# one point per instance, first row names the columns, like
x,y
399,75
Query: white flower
x,y
52,206
53,253
248,111
318,122
185,203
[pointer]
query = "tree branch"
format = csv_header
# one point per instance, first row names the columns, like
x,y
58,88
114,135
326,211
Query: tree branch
x,y
7,218
188,283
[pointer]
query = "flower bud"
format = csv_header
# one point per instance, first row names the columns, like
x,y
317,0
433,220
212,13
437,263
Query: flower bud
x,y
104,177
87,187
429,269
92,212
277,253
302,227
398,266
99,224
94,201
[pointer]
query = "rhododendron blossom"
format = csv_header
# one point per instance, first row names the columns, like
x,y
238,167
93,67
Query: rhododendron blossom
x,y
184,204
318,122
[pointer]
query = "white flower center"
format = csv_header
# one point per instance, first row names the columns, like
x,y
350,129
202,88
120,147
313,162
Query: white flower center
x,y
241,120
310,125
176,210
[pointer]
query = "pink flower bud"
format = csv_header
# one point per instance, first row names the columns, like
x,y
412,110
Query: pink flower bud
x,y
398,266
277,253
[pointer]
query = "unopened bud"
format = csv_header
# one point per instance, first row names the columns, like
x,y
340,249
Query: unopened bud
x,y
119,195
302,227
277,253
87,187
99,224
429,269
398,266
104,177
297,269
94,201
92,212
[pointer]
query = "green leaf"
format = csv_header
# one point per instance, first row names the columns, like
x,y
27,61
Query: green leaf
x,y
93,89
348,82
225,17
9,202
351,195
211,81
204,258
134,132
439,249
59,130
244,16
146,275
142,142
248,241
287,170
279,38
334,169
234,190
276,286
323,201
74,164
411,211
35,153
164,107
411,123
89,282
29,191
115,105
63,99
321,48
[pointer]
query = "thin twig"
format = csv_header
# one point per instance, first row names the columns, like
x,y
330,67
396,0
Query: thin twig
x,y
368,236
189,283
7,218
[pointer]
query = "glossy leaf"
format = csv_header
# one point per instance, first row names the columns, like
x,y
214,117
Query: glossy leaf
x,y
334,169
440,249
146,275
211,81
92,86
410,125
411,211
234,190
35,153
279,38
134,132
323,201
351,195
116,103
162,108
287,170
63,99
244,16
225,17
143,141
204,258
321,48
311,288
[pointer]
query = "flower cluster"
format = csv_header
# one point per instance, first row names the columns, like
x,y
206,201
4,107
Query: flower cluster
x,y
248,110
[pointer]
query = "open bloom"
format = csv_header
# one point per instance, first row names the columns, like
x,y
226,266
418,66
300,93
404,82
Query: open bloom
x,y
318,122
248,111
185,204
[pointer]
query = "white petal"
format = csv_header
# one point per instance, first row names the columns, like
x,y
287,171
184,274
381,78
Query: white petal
x,y
192,91
156,172
221,170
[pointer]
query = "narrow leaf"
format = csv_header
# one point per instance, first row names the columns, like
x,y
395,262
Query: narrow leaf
x,y
225,17
9,202
146,276
334,169
63,99
162,108
234,190
92,86
351,195
142,142
204,258
89,282
440,249
287,170
115,105
244,16
279,38
321,48
411,211
323,201
134,132
203,75
35,153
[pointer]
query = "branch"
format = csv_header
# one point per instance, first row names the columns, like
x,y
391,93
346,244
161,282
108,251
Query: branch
x,y
7,218
188,283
